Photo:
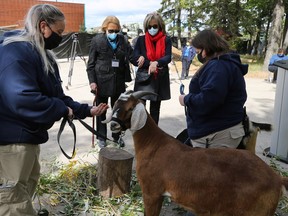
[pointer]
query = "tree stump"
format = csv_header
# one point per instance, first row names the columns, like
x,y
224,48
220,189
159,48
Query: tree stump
x,y
114,172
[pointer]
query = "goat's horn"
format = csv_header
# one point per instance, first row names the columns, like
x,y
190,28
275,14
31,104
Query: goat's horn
x,y
107,120
140,94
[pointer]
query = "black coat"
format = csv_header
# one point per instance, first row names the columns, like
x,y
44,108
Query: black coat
x,y
110,80
160,84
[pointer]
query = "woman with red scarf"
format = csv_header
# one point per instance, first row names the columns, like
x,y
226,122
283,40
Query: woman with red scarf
x,y
152,54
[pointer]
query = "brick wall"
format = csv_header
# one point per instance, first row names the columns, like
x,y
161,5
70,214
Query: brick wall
x,y
12,13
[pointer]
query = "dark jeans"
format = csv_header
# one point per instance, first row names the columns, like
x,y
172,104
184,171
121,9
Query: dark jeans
x,y
154,110
185,67
102,128
273,69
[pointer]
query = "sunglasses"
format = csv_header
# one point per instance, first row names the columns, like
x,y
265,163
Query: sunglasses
x,y
112,31
153,26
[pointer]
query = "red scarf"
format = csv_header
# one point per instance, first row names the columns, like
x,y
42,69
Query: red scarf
x,y
152,53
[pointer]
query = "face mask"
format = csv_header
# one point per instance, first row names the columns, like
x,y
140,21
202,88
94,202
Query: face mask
x,y
200,57
153,31
112,36
52,41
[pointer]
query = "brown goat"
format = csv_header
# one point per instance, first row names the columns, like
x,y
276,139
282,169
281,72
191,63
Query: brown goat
x,y
208,182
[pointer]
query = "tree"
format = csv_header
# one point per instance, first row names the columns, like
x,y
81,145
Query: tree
x,y
171,11
275,33
285,31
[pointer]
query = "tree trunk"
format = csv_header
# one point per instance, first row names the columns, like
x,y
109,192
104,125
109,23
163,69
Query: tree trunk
x,y
178,23
275,33
285,35
114,172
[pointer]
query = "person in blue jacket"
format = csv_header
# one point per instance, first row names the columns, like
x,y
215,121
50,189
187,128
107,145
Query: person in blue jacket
x,y
217,93
276,57
31,100
188,54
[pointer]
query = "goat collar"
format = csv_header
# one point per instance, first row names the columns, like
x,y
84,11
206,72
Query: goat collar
x,y
138,118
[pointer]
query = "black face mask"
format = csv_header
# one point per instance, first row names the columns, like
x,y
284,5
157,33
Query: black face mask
x,y
200,57
52,41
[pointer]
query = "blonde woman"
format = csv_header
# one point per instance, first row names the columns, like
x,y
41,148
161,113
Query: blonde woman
x,y
107,64
31,100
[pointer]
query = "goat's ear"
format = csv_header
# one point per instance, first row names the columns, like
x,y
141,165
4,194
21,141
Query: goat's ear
x,y
138,118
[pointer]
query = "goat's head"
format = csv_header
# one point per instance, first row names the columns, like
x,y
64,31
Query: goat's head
x,y
128,112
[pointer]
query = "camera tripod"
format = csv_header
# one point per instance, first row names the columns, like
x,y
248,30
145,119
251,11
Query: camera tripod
x,y
73,54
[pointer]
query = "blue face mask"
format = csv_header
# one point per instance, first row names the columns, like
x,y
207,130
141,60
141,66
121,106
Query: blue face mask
x,y
111,36
153,31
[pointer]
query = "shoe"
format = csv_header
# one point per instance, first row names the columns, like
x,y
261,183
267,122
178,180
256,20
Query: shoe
x,y
43,212
121,142
102,143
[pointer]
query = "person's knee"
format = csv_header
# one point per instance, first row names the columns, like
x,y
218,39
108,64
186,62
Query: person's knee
x,y
272,68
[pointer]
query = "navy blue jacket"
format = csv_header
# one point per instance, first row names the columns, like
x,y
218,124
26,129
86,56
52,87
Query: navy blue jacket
x,y
216,96
30,99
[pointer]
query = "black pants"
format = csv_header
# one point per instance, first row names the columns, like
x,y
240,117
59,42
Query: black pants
x,y
273,69
102,128
154,110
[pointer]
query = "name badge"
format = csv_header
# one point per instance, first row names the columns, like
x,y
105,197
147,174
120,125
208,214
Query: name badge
x,y
115,63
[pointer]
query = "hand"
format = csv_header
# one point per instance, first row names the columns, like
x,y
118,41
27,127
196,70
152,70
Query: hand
x,y
140,61
93,86
181,99
98,110
153,67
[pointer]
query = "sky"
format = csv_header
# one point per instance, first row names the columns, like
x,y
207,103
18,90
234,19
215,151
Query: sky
x,y
127,11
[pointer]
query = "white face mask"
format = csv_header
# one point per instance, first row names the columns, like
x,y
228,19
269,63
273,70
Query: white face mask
x,y
153,31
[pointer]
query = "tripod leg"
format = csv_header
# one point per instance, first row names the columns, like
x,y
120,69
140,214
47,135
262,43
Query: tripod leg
x,y
80,55
72,59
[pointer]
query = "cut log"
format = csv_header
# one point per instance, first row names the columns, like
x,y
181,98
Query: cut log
x,y
114,172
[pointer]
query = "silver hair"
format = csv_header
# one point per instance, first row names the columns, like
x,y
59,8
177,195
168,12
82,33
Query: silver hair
x,y
154,15
32,32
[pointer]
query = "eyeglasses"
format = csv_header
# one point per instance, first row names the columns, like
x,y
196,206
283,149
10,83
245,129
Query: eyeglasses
x,y
153,26
113,31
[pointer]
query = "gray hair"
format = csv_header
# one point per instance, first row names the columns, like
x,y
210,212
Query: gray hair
x,y
32,32
154,15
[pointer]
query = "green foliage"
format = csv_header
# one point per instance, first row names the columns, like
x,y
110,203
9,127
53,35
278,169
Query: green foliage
x,y
237,18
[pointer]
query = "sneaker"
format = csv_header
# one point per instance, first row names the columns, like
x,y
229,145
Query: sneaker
x,y
121,142
102,143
